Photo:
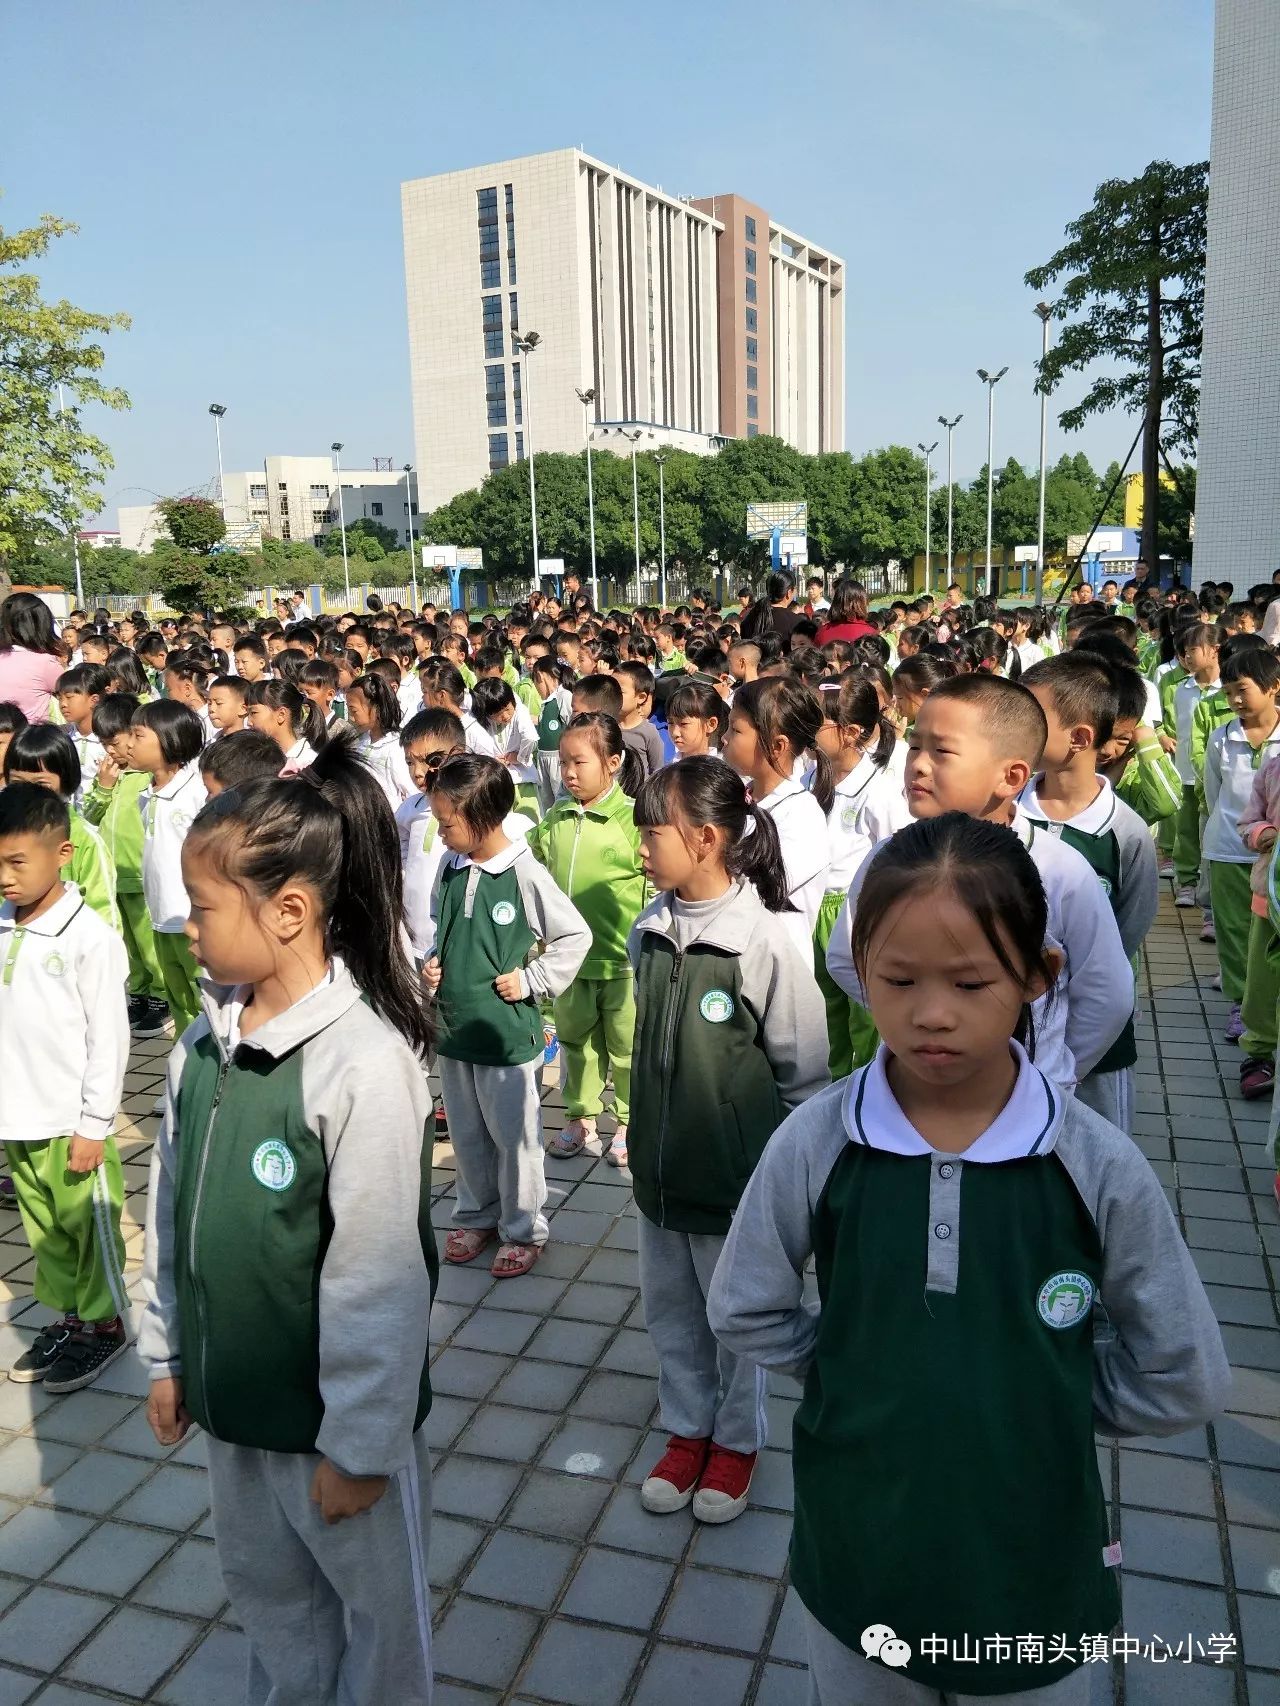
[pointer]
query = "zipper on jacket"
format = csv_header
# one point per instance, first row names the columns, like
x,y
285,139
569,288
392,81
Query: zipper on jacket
x,y
573,855
197,1195
664,1067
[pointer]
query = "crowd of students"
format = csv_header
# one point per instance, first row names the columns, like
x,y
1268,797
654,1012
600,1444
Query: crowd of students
x,y
845,906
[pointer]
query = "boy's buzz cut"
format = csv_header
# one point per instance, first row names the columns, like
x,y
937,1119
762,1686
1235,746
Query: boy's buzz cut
x,y
1012,721
1081,688
28,809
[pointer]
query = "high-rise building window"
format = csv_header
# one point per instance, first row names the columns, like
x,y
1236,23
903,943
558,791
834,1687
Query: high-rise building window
x,y
515,313
511,234
752,381
515,390
752,429
496,411
490,275
751,229
751,290
752,353
376,508
493,343
519,447
753,407
497,451
753,319
751,260
495,381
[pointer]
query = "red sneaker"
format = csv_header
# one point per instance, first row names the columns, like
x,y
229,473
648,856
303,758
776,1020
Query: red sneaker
x,y
725,1483
670,1483
1257,1079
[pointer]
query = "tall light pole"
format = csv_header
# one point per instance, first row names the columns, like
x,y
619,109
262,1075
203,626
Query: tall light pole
x,y
927,450
1046,314
990,380
217,410
586,397
951,427
635,497
413,559
336,448
660,457
75,533
525,346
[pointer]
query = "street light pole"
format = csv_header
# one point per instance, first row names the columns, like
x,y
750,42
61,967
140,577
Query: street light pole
x,y
928,450
525,346
75,534
660,458
413,559
1046,314
951,427
585,397
336,447
990,380
635,500
217,410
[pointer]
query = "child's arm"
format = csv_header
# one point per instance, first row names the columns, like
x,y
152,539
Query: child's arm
x,y
840,951
102,973
526,732
158,1334
1211,775
757,1305
369,1102
1150,784
1254,820
94,874
1099,976
1161,1367
1138,898
558,925
780,988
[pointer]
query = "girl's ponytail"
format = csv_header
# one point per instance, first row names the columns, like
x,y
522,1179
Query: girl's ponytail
x,y
705,790
779,707
382,699
305,718
757,857
887,741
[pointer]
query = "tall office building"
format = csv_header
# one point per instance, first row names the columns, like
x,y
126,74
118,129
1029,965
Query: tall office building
x,y
643,297
1238,484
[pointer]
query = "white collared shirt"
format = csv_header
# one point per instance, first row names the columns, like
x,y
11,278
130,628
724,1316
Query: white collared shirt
x,y
167,815
869,806
874,1118
387,761
1230,765
802,831
1186,696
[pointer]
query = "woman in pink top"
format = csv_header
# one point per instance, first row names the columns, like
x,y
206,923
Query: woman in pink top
x,y
30,657
847,618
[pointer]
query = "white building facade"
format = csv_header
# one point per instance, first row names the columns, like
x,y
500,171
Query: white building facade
x,y
1238,482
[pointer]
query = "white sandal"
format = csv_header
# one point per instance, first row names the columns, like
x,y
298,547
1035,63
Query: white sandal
x,y
616,1154
572,1140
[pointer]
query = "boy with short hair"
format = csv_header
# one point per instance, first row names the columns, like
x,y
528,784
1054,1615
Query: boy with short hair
x,y
244,755
79,691
226,705
1069,799
64,1045
635,681
251,658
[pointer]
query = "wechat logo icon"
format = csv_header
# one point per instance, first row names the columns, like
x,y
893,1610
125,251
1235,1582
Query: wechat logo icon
x,y
880,1642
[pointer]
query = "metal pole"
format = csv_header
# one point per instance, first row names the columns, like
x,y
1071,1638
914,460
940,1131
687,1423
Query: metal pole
x,y
222,485
635,506
951,427
75,537
928,499
585,397
991,416
342,523
1045,312
527,351
413,559
662,533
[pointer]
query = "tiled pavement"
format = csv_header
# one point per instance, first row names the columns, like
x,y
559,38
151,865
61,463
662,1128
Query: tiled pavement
x,y
551,1584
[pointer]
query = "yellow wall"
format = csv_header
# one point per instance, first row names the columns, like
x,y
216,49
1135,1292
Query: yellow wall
x,y
1133,496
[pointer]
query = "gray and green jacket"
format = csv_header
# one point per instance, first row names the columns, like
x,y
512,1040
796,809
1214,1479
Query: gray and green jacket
x,y
290,1260
977,1316
492,918
730,1035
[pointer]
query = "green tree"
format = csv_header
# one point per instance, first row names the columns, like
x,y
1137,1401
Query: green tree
x,y
364,528
1133,298
887,517
1113,513
195,524
51,469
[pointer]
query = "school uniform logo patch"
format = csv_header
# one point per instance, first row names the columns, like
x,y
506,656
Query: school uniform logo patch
x,y
716,1006
1065,1300
274,1166
553,727
54,964
503,913
849,817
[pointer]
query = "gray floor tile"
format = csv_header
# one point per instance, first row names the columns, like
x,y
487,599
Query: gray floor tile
x,y
615,1587
674,1673
482,1643
82,1417
563,1505
631,1353
581,1665
1148,1684
1169,1610
452,1546
189,1582
473,1487
1248,1439
1172,1546
540,1386
27,1465
15,1688
51,1622
113,1559
33,1541
1252,1496
173,1498
499,1330
789,1632
1252,1347
756,1542
783,1685
574,1342
1166,1483
591,1448
627,1398
467,1374
447,1419
731,1611
627,1525
215,1672
132,1652
517,1569
586,1302
509,1434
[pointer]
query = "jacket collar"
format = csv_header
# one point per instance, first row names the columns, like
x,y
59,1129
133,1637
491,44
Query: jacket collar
x,y
1028,1124
500,862
608,806
730,928
51,923
223,1004
1095,819
172,789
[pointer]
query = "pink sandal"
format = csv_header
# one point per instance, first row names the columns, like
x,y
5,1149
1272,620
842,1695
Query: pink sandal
x,y
514,1259
465,1243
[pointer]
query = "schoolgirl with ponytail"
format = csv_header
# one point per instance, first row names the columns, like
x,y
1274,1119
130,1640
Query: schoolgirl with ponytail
x,y
374,710
867,806
773,727
729,1036
290,1258
281,710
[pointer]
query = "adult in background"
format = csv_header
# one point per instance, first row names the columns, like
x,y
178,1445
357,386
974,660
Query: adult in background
x,y
780,590
31,657
847,617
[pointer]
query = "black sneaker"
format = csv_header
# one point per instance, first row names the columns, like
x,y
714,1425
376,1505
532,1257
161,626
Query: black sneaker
x,y
35,1363
442,1124
8,1192
83,1357
151,1021
137,1006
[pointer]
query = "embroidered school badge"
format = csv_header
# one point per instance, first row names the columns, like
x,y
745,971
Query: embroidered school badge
x,y
274,1166
1065,1300
503,913
716,1006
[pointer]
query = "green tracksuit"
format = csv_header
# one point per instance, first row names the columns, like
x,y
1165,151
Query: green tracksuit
x,y
593,854
92,869
1149,783
114,812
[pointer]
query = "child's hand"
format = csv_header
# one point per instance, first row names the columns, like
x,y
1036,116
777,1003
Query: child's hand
x,y
84,1155
432,974
108,773
166,1412
509,986
1266,839
1168,743
340,1495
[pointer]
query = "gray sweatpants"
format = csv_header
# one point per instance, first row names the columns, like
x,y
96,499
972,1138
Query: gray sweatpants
x,y
1111,1095
495,1126
704,1391
839,1676
335,1616
548,779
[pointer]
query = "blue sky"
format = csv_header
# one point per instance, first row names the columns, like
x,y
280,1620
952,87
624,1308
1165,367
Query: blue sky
x,y
235,171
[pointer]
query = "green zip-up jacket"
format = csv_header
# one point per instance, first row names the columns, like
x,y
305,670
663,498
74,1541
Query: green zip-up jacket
x,y
730,1034
114,812
489,917
1211,713
92,869
529,697
1166,687
1149,783
593,853
290,1259
978,1315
